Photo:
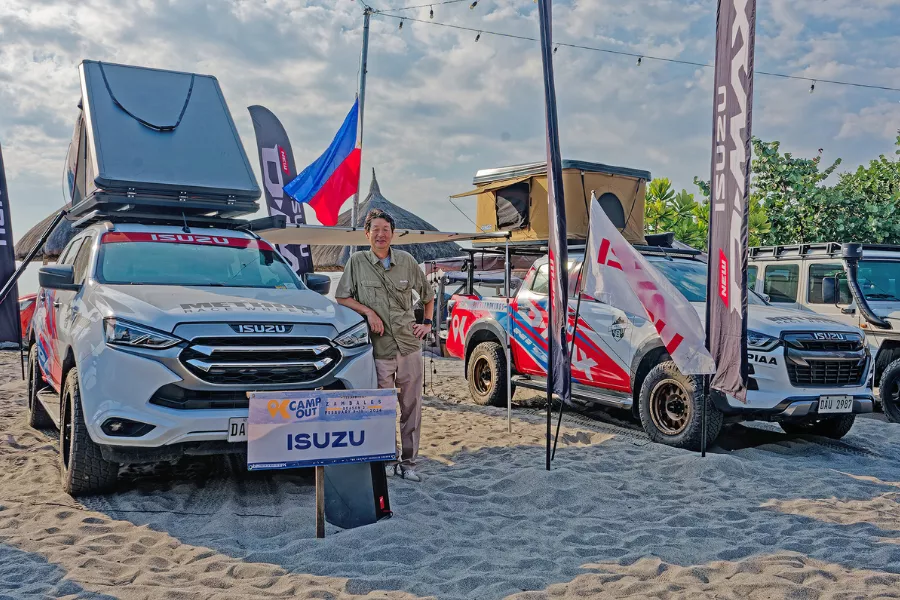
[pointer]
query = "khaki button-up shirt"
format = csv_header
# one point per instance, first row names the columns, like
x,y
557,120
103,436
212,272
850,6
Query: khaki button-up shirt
x,y
389,293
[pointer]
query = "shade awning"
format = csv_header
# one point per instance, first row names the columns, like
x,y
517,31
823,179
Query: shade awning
x,y
318,235
494,185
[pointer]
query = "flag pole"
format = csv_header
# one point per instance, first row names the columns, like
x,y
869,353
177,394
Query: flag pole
x,y
509,324
361,97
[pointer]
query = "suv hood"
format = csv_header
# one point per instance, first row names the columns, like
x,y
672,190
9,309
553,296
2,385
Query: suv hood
x,y
773,321
163,307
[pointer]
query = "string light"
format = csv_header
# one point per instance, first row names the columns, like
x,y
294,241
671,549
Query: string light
x,y
430,5
640,56
473,5
478,37
555,48
401,24
812,87
431,13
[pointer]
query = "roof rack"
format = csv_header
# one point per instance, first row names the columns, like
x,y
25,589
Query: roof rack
x,y
827,249
191,220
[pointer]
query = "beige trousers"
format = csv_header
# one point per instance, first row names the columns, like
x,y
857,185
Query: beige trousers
x,y
405,374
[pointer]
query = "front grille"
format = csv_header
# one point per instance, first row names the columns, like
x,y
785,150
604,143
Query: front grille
x,y
827,373
826,345
174,396
260,360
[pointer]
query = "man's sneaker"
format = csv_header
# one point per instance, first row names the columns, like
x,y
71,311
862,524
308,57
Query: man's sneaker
x,y
390,470
409,474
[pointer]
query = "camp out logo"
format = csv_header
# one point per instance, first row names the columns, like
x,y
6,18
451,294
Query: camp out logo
x,y
294,409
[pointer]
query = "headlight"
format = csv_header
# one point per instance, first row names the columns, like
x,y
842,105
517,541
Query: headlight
x,y
356,336
761,341
125,333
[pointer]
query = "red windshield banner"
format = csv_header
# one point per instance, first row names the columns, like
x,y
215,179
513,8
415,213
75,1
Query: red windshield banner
x,y
118,237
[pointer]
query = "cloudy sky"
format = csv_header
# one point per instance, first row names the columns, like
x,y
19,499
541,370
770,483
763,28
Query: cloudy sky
x,y
441,106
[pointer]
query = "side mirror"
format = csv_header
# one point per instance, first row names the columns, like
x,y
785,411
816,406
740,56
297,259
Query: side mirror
x,y
318,283
58,277
829,290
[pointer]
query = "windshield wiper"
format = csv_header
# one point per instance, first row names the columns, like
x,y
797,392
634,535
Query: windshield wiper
x,y
880,296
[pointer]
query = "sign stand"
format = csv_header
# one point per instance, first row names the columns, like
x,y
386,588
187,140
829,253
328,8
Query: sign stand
x,y
320,502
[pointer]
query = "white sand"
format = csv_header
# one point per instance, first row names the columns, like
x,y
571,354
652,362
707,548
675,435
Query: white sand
x,y
770,517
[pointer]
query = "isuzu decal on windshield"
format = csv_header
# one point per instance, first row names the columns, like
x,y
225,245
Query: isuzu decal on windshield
x,y
118,237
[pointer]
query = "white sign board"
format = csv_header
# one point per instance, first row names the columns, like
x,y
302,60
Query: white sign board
x,y
310,428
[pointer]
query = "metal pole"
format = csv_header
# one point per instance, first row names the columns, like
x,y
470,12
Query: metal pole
x,y
509,325
706,392
361,96
549,370
7,287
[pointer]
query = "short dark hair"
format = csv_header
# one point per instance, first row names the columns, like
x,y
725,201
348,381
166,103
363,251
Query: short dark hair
x,y
377,213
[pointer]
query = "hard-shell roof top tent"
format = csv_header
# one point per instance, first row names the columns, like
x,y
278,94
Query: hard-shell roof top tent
x,y
153,141
514,199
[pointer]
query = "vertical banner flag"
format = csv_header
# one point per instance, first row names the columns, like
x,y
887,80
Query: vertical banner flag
x,y
276,161
330,181
10,328
558,363
726,302
618,275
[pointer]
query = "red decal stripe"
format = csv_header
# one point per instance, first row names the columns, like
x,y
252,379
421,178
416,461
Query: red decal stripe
x,y
673,344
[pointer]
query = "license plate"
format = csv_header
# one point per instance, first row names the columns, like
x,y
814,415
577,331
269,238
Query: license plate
x,y
237,429
835,404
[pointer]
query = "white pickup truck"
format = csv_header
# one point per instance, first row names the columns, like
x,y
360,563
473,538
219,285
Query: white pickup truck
x,y
146,339
808,372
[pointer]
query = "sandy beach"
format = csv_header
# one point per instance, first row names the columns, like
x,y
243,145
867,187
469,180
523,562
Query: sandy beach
x,y
765,515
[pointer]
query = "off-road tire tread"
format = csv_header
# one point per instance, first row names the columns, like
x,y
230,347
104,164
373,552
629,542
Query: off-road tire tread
x,y
37,415
89,472
832,427
690,438
890,406
494,353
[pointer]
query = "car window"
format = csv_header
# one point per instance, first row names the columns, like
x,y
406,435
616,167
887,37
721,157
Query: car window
x,y
815,293
781,282
751,277
81,260
68,255
541,282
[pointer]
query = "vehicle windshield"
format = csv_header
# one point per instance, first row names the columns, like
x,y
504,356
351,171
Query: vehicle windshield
x,y
192,260
689,278
879,279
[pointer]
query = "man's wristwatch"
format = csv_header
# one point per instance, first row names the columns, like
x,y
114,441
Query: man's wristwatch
x,y
426,322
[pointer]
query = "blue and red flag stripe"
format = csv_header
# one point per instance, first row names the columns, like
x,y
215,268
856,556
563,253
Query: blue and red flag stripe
x,y
334,177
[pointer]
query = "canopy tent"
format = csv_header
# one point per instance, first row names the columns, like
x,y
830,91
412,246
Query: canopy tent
x,y
514,199
410,230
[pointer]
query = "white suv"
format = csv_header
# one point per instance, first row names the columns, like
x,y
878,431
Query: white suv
x,y
146,339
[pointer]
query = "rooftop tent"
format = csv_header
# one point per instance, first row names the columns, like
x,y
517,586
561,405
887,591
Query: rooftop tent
x,y
514,199
158,141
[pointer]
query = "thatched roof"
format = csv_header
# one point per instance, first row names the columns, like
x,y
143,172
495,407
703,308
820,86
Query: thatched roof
x,y
55,243
335,257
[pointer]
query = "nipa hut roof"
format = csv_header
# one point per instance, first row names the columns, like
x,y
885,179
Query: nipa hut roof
x,y
335,257
55,243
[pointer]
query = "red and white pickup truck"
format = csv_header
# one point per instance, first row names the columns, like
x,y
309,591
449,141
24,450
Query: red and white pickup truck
x,y
809,373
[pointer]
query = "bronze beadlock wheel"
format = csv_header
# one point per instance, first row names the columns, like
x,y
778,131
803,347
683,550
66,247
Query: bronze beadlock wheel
x,y
483,379
670,407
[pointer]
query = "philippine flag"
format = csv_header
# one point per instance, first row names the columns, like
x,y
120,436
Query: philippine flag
x,y
327,183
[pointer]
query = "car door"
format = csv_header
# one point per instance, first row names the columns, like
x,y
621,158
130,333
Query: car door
x,y
45,323
529,331
69,302
603,350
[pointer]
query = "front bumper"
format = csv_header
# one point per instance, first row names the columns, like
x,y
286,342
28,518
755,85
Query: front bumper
x,y
793,408
119,383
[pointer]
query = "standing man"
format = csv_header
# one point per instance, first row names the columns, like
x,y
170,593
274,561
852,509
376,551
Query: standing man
x,y
378,284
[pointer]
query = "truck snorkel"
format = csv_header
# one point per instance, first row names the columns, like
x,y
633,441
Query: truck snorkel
x,y
852,253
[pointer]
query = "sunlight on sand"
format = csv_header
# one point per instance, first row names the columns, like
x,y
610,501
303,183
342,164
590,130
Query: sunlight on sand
x,y
446,433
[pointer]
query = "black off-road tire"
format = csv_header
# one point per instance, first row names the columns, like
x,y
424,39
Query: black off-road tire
x,y
84,470
830,427
37,415
890,392
487,374
666,381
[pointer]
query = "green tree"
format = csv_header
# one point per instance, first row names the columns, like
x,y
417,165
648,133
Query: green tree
x,y
757,224
668,211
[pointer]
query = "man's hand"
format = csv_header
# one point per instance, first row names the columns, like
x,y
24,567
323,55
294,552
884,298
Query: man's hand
x,y
420,331
375,323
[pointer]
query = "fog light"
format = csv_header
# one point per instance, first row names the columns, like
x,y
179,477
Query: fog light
x,y
118,427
